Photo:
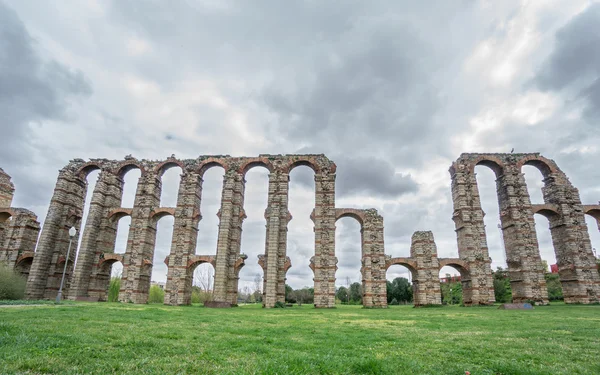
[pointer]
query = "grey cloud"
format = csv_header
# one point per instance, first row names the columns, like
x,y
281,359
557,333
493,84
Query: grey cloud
x,y
32,91
574,64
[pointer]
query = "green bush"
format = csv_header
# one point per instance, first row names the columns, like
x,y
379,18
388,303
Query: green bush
x,y
279,305
394,302
113,289
157,295
12,284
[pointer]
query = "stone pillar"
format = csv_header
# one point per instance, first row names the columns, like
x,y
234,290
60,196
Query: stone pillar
x,y
523,259
7,190
137,260
576,262
231,216
426,281
470,233
20,236
65,211
325,262
107,195
373,268
277,216
185,233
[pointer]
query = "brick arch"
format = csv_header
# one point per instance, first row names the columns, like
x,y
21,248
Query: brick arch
x,y
119,213
492,162
108,259
460,265
260,161
406,262
211,162
84,170
197,260
127,165
162,167
354,213
544,165
592,210
546,210
6,214
161,212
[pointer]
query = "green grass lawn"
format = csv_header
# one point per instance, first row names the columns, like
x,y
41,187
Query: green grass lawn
x,y
104,338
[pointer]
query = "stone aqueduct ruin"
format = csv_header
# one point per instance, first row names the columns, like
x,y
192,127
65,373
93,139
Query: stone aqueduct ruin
x,y
89,279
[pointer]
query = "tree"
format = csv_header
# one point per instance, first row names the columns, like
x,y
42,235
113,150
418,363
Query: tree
x,y
451,293
554,286
502,289
401,290
356,293
290,296
342,294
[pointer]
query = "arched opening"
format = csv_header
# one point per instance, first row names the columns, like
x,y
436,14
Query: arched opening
x,y
592,219
348,250
23,265
170,179
208,227
130,175
253,228
535,182
486,174
202,282
301,237
399,282
451,283
123,226
114,285
162,249
548,254
91,178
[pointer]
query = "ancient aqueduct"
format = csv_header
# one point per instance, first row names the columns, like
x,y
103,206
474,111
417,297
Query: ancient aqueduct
x,y
89,280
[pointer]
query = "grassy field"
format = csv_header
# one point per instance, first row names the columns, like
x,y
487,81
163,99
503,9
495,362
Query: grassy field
x,y
104,338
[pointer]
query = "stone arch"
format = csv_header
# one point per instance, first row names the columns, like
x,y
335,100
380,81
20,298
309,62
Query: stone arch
x,y
24,262
6,214
197,260
208,163
458,264
544,165
410,264
550,211
302,162
354,213
127,165
162,167
88,168
117,214
255,162
493,163
161,212
108,259
593,211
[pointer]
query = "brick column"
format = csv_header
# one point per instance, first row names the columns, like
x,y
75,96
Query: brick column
x,y
426,281
277,216
107,195
325,262
65,211
137,260
576,262
470,233
520,241
185,233
373,268
228,243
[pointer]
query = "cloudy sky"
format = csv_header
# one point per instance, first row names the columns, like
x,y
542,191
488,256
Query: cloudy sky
x,y
392,91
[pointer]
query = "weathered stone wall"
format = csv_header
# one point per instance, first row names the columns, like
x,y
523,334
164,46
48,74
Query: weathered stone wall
x,y
19,229
563,208
90,279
